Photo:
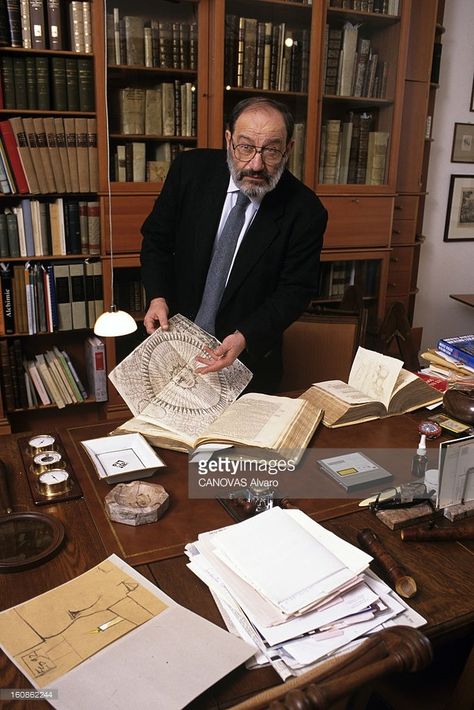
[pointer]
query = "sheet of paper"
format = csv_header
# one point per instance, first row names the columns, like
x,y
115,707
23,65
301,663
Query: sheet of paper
x,y
311,648
456,471
374,374
262,551
173,646
51,634
349,603
158,379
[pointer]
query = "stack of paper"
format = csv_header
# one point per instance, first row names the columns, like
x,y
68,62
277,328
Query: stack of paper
x,y
294,589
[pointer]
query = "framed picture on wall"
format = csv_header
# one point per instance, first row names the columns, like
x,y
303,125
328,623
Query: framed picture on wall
x,y
463,143
459,225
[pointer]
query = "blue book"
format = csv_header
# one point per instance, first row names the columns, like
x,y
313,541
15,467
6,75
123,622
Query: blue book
x,y
28,226
460,348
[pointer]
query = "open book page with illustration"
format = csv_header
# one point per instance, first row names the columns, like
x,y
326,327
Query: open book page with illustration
x,y
279,424
159,377
175,407
378,386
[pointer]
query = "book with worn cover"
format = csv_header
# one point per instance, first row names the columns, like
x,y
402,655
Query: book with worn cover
x,y
176,407
378,387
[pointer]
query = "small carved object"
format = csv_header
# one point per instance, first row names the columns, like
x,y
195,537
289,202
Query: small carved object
x,y
403,583
136,503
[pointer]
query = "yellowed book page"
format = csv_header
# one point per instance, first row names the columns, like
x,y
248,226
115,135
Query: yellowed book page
x,y
155,435
347,394
375,374
277,423
404,379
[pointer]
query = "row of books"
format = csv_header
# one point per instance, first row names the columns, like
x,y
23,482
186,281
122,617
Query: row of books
x,y
139,41
167,109
56,228
353,153
335,277
46,24
384,7
46,83
129,293
44,155
43,379
265,55
459,348
352,66
141,162
39,297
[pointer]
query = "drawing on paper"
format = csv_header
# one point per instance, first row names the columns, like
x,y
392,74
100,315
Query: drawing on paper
x,y
158,380
51,634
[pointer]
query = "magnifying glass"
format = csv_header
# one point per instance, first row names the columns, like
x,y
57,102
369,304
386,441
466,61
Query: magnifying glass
x,y
26,539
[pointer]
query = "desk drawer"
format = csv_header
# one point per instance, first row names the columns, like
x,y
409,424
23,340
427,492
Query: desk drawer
x,y
401,259
406,207
403,231
358,221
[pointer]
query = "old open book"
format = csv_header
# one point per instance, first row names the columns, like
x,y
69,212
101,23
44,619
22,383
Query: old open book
x,y
279,424
176,407
378,387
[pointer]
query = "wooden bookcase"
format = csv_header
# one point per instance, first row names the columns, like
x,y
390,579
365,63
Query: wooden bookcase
x,y
48,75
373,230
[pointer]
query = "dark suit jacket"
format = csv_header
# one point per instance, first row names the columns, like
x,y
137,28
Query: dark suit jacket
x,y
276,269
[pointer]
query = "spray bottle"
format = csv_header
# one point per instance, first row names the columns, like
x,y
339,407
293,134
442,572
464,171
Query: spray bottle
x,y
419,461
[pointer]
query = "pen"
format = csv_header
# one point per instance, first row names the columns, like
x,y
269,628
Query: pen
x,y
106,625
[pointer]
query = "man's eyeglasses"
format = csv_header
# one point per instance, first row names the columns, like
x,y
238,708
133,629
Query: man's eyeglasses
x,y
245,153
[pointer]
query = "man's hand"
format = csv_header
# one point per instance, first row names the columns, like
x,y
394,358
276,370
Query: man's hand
x,y
156,315
222,356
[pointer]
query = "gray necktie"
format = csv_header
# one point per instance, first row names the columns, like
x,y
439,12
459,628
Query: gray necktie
x,y
220,265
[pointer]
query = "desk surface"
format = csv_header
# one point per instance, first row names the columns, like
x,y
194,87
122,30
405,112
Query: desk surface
x,y
443,570
466,298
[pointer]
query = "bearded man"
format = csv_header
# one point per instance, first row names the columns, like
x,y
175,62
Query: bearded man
x,y
233,243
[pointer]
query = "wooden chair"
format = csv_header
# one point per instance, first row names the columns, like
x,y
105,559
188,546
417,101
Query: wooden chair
x,y
396,649
396,337
319,347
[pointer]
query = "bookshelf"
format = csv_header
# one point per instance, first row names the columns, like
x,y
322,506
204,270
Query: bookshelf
x,y
374,231
50,241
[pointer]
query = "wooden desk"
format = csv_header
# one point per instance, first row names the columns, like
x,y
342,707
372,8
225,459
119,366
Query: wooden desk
x,y
466,298
443,570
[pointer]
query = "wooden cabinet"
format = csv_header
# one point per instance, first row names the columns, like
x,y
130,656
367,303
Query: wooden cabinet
x,y
286,50
359,221
165,76
420,90
156,76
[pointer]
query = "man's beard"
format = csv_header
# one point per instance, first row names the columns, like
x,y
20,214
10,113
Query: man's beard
x,y
251,190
